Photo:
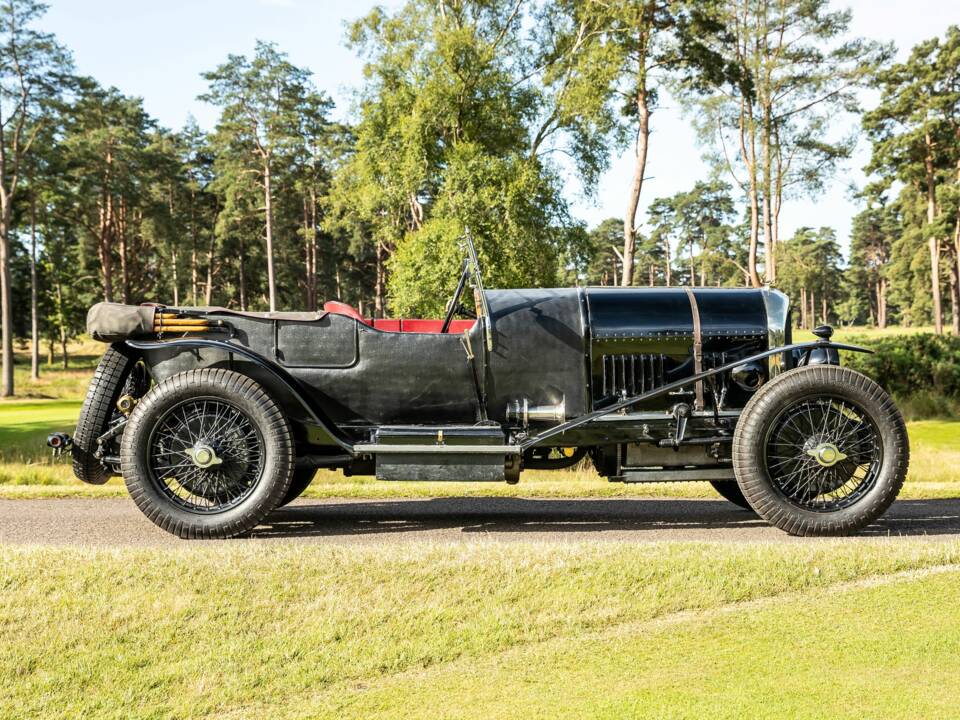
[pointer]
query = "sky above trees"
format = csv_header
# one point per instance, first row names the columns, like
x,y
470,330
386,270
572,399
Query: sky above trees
x,y
154,49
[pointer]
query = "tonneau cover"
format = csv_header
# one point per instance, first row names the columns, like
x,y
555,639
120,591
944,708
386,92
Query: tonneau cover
x,y
114,322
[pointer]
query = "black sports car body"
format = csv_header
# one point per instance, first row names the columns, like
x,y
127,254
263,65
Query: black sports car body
x,y
215,417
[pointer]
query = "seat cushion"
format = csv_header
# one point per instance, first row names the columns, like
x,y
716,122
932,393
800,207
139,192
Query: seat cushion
x,y
414,325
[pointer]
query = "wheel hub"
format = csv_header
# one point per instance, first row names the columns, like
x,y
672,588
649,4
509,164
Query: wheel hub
x,y
203,455
826,454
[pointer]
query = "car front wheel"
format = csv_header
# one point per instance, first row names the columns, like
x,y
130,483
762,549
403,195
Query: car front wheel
x,y
207,454
821,450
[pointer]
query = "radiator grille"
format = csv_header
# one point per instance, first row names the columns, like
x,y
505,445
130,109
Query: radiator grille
x,y
632,374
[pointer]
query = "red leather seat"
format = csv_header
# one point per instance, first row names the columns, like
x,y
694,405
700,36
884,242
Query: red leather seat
x,y
339,308
397,324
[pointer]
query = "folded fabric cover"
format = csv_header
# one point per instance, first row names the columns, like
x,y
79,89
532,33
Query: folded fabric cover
x,y
113,322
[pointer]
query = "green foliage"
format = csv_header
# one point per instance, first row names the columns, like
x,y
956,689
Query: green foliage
x,y
693,228
908,365
456,126
810,267
506,204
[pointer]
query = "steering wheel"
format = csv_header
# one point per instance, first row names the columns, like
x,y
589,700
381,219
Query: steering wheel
x,y
455,306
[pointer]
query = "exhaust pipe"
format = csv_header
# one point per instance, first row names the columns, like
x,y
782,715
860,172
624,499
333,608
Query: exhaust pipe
x,y
523,413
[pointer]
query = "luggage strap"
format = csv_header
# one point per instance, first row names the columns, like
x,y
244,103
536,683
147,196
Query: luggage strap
x,y
697,346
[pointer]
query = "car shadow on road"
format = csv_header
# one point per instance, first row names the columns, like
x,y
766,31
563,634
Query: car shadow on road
x,y
642,517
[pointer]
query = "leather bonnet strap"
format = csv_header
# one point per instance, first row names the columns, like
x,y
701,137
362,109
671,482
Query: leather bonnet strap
x,y
697,346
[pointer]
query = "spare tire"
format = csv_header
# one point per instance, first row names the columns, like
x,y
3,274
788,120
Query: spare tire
x,y
113,375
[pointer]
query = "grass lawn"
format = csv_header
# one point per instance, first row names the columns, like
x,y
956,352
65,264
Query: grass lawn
x,y
532,630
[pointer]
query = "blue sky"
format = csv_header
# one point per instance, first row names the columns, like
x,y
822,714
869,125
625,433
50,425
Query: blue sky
x,y
157,49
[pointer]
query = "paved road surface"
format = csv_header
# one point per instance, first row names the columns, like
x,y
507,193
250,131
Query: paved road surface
x,y
117,522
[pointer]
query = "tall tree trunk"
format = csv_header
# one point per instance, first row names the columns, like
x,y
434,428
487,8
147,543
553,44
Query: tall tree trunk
x,y
242,280
176,279
124,264
882,302
666,258
933,243
693,269
194,271
268,202
777,198
314,250
651,275
104,245
379,288
750,160
61,323
803,307
956,272
770,261
954,301
639,168
306,252
34,309
211,258
6,309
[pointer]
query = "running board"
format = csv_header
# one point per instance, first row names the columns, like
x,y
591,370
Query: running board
x,y
452,452
683,475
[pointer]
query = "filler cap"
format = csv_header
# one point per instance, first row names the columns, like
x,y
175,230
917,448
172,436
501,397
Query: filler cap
x,y
824,332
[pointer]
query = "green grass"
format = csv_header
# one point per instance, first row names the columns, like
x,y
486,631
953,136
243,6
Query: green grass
x,y
836,655
478,630
24,426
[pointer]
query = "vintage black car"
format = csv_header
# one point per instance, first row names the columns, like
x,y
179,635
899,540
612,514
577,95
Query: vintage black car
x,y
216,417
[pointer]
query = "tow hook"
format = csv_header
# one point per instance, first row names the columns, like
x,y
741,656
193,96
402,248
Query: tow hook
x,y
59,442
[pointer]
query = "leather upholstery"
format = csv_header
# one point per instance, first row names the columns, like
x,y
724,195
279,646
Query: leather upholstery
x,y
396,324
339,308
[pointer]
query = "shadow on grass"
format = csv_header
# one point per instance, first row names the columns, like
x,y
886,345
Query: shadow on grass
x,y
646,516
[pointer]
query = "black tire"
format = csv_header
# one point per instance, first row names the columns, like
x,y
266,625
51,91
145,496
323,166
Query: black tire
x,y
254,469
729,490
302,477
99,409
848,471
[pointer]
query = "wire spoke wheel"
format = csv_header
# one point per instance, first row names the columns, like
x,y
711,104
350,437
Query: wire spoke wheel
x,y
206,455
820,450
823,454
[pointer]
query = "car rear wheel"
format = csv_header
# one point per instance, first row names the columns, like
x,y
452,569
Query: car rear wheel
x,y
821,450
207,454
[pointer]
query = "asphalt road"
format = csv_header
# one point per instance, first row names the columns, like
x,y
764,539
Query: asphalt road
x,y
118,523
